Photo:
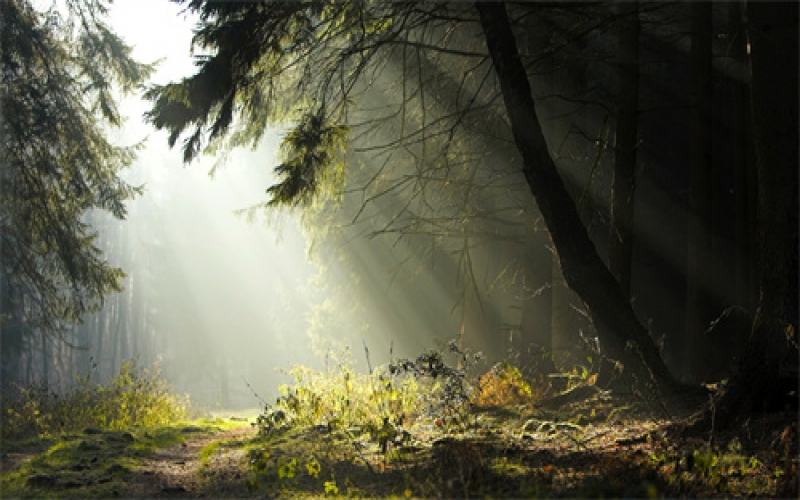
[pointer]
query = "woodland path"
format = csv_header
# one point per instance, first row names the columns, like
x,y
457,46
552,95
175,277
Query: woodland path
x,y
179,471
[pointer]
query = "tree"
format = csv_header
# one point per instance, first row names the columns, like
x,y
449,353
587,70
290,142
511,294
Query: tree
x,y
305,62
583,270
620,253
700,181
772,347
58,74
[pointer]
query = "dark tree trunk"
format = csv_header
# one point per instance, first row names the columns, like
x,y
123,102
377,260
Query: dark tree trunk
x,y
774,65
620,255
699,244
744,174
624,337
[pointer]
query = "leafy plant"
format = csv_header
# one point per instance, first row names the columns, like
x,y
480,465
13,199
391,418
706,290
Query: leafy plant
x,y
452,390
502,385
136,396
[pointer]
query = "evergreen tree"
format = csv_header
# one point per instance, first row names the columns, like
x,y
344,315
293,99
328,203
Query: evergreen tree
x,y
60,69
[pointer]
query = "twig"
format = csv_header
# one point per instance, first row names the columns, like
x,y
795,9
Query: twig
x,y
366,351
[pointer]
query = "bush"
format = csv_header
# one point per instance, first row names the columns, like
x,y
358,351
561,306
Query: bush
x,y
504,385
340,399
392,395
135,396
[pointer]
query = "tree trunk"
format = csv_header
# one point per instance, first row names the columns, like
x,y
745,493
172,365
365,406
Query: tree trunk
x,y
699,244
774,100
744,176
624,337
620,255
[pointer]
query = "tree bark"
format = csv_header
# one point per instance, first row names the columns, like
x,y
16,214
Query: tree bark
x,y
620,255
624,337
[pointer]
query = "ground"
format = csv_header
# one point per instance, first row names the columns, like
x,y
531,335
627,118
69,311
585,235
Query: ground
x,y
597,447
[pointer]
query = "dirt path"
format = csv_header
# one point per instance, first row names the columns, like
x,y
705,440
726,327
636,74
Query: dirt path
x,y
178,471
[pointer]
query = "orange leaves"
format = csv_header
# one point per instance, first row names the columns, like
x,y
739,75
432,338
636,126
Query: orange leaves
x,y
503,385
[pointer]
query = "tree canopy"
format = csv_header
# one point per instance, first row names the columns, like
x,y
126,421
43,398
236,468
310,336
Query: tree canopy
x,y
61,69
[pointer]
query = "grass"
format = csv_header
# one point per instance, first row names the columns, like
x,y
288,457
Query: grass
x,y
134,397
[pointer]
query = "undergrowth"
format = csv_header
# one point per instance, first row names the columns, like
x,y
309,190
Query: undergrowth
x,y
393,395
135,397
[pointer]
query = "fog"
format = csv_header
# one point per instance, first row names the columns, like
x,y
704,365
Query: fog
x,y
221,290
225,303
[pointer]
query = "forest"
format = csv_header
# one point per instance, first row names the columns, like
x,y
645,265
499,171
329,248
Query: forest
x,y
399,249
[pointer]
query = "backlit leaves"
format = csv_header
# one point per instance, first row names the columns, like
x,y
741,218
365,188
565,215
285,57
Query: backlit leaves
x,y
312,161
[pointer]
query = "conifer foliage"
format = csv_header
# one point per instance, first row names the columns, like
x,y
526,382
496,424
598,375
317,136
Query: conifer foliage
x,y
60,71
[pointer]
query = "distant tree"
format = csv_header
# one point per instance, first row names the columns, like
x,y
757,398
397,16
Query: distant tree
x,y
771,354
620,255
59,72
700,183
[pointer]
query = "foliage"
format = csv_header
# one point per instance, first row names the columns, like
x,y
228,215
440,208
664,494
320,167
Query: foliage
x,y
135,396
277,62
456,389
341,399
59,71
379,402
504,385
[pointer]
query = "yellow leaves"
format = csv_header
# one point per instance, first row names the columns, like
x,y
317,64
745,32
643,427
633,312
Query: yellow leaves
x,y
331,488
503,384
287,469
313,467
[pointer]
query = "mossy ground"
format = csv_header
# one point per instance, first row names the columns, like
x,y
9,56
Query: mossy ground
x,y
91,464
589,449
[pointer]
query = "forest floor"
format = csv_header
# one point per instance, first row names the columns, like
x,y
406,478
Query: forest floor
x,y
595,447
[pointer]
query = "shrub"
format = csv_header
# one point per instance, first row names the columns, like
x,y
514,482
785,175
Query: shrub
x,y
503,385
390,395
135,396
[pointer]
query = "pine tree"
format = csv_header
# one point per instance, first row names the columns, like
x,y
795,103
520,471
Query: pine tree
x,y
60,69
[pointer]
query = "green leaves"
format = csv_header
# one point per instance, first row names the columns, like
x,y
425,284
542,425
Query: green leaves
x,y
312,161
275,63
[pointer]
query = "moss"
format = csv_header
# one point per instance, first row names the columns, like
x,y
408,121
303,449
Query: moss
x,y
207,452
